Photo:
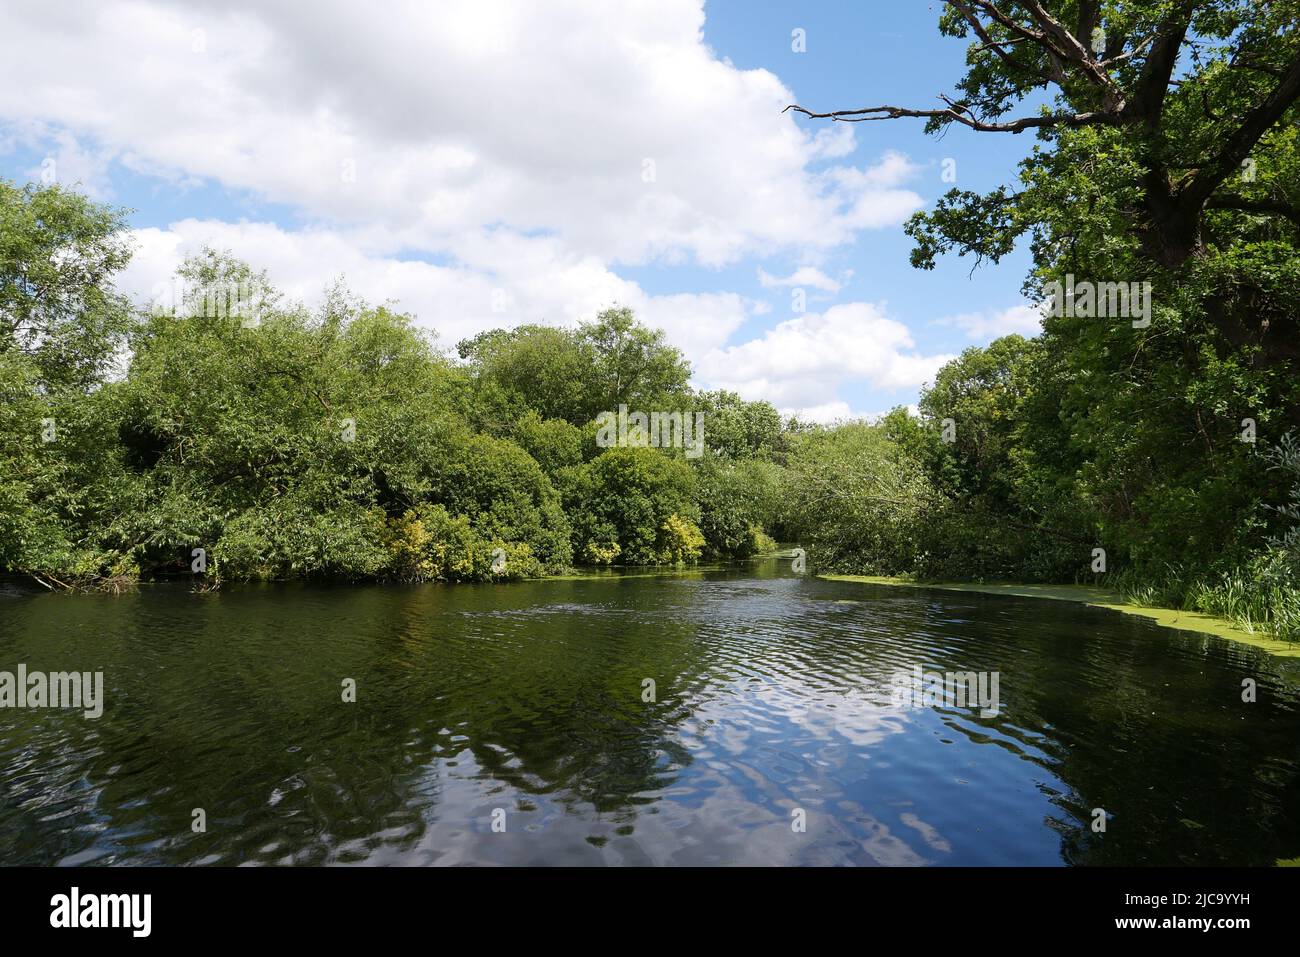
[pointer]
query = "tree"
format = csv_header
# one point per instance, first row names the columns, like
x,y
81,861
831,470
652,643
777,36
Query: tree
x,y
61,326
575,374
543,368
983,393
1114,65
58,254
1166,155
554,443
633,364
737,429
854,499
739,504
1170,138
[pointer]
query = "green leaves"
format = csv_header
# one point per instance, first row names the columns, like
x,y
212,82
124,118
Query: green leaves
x,y
635,505
854,500
575,374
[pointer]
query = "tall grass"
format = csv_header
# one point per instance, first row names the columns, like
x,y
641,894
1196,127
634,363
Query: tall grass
x,y
1262,595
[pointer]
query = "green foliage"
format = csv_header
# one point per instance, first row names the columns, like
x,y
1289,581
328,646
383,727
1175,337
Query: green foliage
x,y
632,364
1265,594
983,392
339,443
61,323
736,429
739,501
634,505
1009,510
855,501
554,443
680,540
427,543
502,490
58,253
575,374
333,443
1166,155
293,537
543,368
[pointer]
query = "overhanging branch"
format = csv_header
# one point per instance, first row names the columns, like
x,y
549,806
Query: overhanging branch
x,y
963,116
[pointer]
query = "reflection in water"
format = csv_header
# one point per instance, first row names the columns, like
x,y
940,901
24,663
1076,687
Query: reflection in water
x,y
773,696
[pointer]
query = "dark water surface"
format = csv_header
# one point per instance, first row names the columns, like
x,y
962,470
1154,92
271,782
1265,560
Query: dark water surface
x,y
773,695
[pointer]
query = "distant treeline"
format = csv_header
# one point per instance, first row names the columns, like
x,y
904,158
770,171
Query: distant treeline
x,y
341,443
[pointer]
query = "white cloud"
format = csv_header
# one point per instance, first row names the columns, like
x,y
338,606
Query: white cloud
x,y
475,153
611,127
802,362
840,411
64,158
824,414
803,276
503,280
878,200
1024,319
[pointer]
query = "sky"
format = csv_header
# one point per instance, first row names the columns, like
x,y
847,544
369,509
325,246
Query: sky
x,y
487,163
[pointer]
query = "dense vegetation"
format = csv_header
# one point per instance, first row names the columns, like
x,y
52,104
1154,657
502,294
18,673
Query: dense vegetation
x,y
1166,154
342,443
337,442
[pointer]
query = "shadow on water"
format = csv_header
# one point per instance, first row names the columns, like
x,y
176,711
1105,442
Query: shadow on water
x,y
773,702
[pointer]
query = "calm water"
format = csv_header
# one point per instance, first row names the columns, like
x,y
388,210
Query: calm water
x,y
773,694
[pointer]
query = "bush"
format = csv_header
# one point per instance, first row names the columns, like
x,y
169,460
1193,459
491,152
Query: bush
x,y
737,500
428,543
503,492
679,541
292,540
855,501
623,500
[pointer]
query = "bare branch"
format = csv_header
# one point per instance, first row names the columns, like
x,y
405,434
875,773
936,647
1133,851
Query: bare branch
x,y
962,115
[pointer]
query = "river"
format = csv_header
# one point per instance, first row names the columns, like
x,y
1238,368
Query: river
x,y
727,716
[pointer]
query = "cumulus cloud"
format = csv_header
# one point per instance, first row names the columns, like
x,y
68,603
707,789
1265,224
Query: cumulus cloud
x,y
504,280
825,414
481,162
65,159
803,276
829,413
1024,319
612,127
801,363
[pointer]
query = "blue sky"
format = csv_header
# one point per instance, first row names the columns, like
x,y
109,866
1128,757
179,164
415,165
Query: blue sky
x,y
488,163
880,52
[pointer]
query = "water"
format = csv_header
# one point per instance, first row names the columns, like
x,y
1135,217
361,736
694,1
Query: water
x,y
774,702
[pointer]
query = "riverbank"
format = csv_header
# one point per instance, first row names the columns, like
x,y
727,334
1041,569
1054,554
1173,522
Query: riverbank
x,y
1100,598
